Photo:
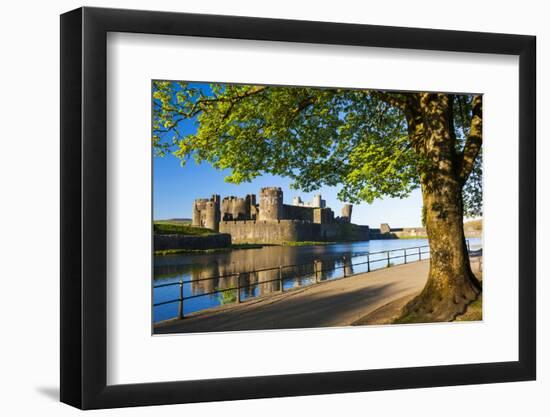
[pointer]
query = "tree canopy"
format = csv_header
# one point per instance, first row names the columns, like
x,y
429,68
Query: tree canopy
x,y
357,140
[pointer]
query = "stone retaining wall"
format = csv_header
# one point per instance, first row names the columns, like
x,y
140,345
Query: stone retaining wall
x,y
166,242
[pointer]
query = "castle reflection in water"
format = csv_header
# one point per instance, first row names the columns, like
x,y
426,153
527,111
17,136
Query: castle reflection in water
x,y
258,268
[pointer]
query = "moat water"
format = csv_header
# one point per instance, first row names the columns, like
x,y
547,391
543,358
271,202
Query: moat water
x,y
301,266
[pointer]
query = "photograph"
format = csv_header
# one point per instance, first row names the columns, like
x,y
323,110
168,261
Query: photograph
x,y
269,209
297,207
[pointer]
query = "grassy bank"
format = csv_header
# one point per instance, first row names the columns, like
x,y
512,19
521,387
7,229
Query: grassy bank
x,y
206,251
236,246
165,227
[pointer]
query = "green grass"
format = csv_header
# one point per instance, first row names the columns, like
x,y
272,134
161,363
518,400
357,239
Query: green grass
x,y
474,311
206,251
235,246
227,296
165,227
181,221
305,243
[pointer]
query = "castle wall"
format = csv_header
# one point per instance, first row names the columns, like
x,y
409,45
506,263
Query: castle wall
x,y
343,232
323,215
297,213
387,232
263,231
308,214
254,212
234,208
410,232
250,231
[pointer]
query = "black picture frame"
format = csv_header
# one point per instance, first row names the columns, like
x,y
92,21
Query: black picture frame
x,y
84,207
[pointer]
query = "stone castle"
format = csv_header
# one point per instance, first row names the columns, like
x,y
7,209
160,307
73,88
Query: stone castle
x,y
272,221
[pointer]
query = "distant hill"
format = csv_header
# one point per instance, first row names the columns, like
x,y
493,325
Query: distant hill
x,y
176,220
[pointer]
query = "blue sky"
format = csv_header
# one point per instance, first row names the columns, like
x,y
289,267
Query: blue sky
x,y
176,187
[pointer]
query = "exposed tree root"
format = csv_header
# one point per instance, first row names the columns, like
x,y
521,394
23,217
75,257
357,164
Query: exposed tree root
x,y
435,304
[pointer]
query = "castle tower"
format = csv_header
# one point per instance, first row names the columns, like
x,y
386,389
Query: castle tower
x,y
199,206
346,212
271,203
253,208
316,201
212,213
248,206
217,205
196,215
252,198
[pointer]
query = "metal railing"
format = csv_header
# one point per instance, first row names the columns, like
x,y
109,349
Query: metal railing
x,y
317,274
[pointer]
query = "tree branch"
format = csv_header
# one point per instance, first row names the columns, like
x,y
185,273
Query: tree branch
x,y
474,140
234,100
202,103
390,98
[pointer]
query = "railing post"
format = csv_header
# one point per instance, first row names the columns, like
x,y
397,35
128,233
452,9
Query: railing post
x,y
368,262
315,271
344,268
405,253
388,255
238,288
419,253
180,304
281,279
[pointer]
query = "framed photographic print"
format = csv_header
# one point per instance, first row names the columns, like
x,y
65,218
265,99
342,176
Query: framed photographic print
x,y
257,208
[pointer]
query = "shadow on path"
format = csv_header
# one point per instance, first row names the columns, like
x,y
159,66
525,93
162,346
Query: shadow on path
x,y
329,304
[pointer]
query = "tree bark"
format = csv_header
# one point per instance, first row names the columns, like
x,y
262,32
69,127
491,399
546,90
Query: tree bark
x,y
451,285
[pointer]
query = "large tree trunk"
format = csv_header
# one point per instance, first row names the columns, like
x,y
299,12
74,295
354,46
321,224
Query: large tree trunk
x,y
451,285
